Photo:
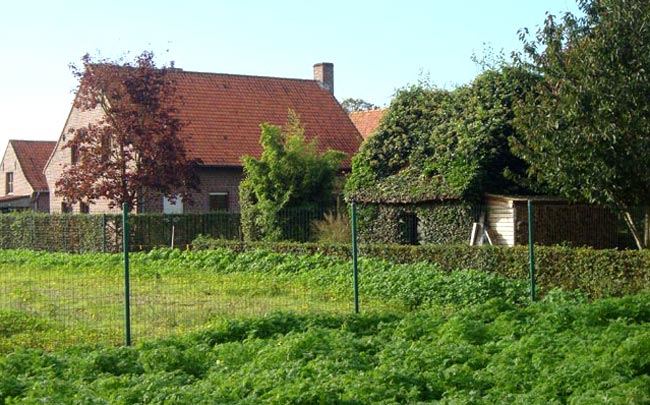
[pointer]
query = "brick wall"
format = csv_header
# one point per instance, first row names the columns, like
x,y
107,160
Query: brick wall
x,y
10,164
62,158
213,180
218,180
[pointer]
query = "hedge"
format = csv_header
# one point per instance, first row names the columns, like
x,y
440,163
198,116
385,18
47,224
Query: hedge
x,y
597,273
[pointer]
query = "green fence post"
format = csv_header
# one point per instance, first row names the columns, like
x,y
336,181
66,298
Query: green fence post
x,y
103,233
127,286
355,265
531,250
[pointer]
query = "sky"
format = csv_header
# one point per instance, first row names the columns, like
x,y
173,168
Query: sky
x,y
376,46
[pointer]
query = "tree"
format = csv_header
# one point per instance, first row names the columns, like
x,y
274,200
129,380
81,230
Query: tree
x,y
135,148
357,104
461,136
587,124
291,173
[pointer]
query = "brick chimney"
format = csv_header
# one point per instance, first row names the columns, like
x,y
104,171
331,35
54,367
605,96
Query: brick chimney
x,y
324,74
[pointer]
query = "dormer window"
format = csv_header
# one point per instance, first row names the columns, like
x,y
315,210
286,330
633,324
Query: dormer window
x,y
9,183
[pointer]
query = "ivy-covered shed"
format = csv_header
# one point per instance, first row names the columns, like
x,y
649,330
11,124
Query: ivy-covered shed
x,y
412,208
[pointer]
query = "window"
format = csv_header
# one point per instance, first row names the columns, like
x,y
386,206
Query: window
x,y
175,207
218,202
9,183
74,155
84,208
66,208
107,146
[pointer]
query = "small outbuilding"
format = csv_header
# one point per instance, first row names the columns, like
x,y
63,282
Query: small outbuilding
x,y
555,221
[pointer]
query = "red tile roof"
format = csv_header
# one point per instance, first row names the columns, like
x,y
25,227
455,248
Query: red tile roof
x,y
366,121
225,112
32,157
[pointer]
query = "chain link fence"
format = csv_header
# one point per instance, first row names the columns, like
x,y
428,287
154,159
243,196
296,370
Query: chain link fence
x,y
172,295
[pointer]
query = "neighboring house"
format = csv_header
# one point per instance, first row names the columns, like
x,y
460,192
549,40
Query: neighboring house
x,y
367,122
223,113
23,183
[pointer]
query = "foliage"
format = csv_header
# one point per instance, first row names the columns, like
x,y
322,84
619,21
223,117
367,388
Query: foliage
x,y
135,147
103,233
456,142
291,174
586,125
598,273
446,222
564,351
54,233
357,104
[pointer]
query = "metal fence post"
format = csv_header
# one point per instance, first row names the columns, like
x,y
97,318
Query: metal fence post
x,y
103,233
355,265
127,287
531,250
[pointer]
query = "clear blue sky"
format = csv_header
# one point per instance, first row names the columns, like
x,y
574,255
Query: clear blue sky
x,y
376,46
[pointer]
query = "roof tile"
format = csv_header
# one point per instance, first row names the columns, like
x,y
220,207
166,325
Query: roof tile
x,y
224,113
32,157
367,122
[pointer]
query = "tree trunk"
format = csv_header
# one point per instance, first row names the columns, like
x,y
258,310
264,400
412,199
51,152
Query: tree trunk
x,y
635,232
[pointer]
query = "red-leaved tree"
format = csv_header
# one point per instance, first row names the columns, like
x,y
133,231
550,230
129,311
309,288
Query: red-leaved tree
x,y
134,150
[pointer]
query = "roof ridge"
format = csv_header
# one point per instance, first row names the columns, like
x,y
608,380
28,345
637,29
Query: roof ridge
x,y
30,140
182,71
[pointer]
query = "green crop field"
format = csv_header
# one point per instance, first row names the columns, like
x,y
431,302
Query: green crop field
x,y
259,327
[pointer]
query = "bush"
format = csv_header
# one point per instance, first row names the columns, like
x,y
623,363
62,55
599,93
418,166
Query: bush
x,y
598,273
333,228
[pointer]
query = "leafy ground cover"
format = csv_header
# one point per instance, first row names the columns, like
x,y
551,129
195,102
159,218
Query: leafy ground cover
x,y
561,350
78,298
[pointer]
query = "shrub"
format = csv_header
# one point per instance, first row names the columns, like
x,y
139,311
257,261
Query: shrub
x,y
333,228
598,273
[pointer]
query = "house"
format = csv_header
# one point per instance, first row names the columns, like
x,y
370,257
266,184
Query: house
x,y
24,186
367,122
223,113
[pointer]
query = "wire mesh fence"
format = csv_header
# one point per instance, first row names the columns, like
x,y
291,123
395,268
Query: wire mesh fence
x,y
171,292
84,295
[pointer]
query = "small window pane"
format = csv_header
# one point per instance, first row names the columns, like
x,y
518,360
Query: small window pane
x,y
66,208
9,184
218,202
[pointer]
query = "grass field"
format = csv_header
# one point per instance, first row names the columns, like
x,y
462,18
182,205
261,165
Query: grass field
x,y
173,292
87,293
260,327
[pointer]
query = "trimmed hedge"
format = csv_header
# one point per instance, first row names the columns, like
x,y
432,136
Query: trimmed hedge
x,y
598,273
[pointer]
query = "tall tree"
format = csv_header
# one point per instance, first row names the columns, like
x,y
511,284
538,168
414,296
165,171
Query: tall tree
x,y
291,173
461,136
134,149
357,104
587,126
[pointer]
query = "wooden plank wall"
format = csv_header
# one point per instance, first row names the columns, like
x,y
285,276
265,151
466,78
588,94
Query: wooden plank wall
x,y
501,222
